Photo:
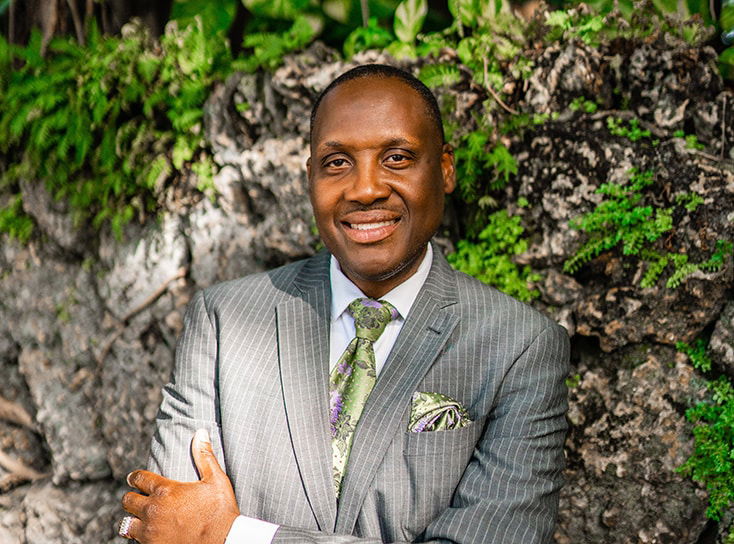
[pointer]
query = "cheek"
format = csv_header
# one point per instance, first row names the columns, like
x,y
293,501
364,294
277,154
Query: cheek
x,y
323,205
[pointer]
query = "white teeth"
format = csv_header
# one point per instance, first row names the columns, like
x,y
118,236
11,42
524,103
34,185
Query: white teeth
x,y
368,226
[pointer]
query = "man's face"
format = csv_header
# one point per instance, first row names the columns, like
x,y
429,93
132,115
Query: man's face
x,y
378,174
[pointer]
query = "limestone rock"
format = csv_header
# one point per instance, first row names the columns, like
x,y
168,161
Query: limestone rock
x,y
722,339
20,437
52,217
67,419
77,514
134,270
623,448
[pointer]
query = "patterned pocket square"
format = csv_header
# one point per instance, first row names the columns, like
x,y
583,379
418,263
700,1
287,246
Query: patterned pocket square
x,y
436,412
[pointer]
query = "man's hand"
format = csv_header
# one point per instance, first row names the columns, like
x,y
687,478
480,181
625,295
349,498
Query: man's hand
x,y
182,512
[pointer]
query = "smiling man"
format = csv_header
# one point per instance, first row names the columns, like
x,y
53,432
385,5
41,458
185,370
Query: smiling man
x,y
369,393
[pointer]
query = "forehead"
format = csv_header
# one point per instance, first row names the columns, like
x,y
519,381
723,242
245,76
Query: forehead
x,y
373,107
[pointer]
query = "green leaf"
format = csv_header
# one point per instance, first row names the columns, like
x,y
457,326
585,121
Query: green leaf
x,y
277,9
726,63
409,17
439,75
216,15
402,50
559,19
182,152
465,12
370,37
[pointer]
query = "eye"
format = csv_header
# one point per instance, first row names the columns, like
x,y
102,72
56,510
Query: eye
x,y
335,163
397,157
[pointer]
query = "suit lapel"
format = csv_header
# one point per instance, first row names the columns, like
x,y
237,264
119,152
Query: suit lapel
x,y
424,334
303,342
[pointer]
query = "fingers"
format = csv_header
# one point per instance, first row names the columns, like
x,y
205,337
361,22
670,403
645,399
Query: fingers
x,y
203,453
149,483
134,503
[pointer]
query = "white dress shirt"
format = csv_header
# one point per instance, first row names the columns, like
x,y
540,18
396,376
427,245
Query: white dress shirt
x,y
247,530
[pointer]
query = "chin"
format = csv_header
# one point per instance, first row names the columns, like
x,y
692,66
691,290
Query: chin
x,y
377,271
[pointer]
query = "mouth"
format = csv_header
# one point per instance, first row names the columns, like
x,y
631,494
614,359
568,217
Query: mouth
x,y
370,226
368,230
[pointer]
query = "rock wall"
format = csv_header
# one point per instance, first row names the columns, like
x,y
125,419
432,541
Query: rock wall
x,y
88,323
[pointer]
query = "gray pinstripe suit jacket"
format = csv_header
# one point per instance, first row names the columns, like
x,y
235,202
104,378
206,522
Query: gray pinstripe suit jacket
x,y
252,367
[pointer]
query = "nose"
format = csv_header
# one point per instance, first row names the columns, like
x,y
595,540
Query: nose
x,y
367,185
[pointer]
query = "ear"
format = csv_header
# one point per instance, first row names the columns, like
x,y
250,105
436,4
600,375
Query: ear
x,y
308,168
447,167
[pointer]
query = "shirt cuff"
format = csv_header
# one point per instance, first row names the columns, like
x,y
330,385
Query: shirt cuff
x,y
246,530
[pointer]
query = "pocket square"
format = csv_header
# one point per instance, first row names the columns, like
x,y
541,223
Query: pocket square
x,y
436,412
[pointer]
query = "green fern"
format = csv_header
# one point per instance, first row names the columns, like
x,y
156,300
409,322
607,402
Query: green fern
x,y
690,201
722,250
655,267
439,75
631,131
490,258
620,219
101,126
624,219
268,48
682,269
712,460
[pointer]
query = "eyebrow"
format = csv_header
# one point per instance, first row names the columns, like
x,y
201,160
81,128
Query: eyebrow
x,y
336,144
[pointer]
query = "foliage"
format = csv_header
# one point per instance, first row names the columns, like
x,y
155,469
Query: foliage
x,y
216,16
621,218
686,19
625,218
690,201
439,75
696,353
571,24
269,48
104,126
712,460
13,221
632,131
581,103
573,381
726,63
489,259
682,268
478,169
409,17
372,36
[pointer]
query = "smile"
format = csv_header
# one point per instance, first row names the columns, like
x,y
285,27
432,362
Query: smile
x,y
370,226
370,232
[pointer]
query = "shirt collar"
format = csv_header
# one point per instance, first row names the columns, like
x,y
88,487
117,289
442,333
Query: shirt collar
x,y
343,291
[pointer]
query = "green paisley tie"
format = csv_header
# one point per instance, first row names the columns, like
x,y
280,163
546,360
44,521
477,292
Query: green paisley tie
x,y
353,378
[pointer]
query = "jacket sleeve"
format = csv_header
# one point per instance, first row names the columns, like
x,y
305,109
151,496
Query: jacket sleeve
x,y
190,401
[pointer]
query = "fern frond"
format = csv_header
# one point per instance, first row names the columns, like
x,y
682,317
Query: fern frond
x,y
439,75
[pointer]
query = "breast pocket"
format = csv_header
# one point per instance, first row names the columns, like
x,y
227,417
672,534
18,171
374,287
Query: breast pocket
x,y
434,463
453,443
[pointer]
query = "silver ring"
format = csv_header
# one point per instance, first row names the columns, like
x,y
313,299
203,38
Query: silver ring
x,y
125,524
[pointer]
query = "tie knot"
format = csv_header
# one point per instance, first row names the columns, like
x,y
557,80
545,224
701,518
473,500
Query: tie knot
x,y
371,317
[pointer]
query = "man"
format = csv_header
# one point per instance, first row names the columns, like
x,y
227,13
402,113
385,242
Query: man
x,y
457,435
